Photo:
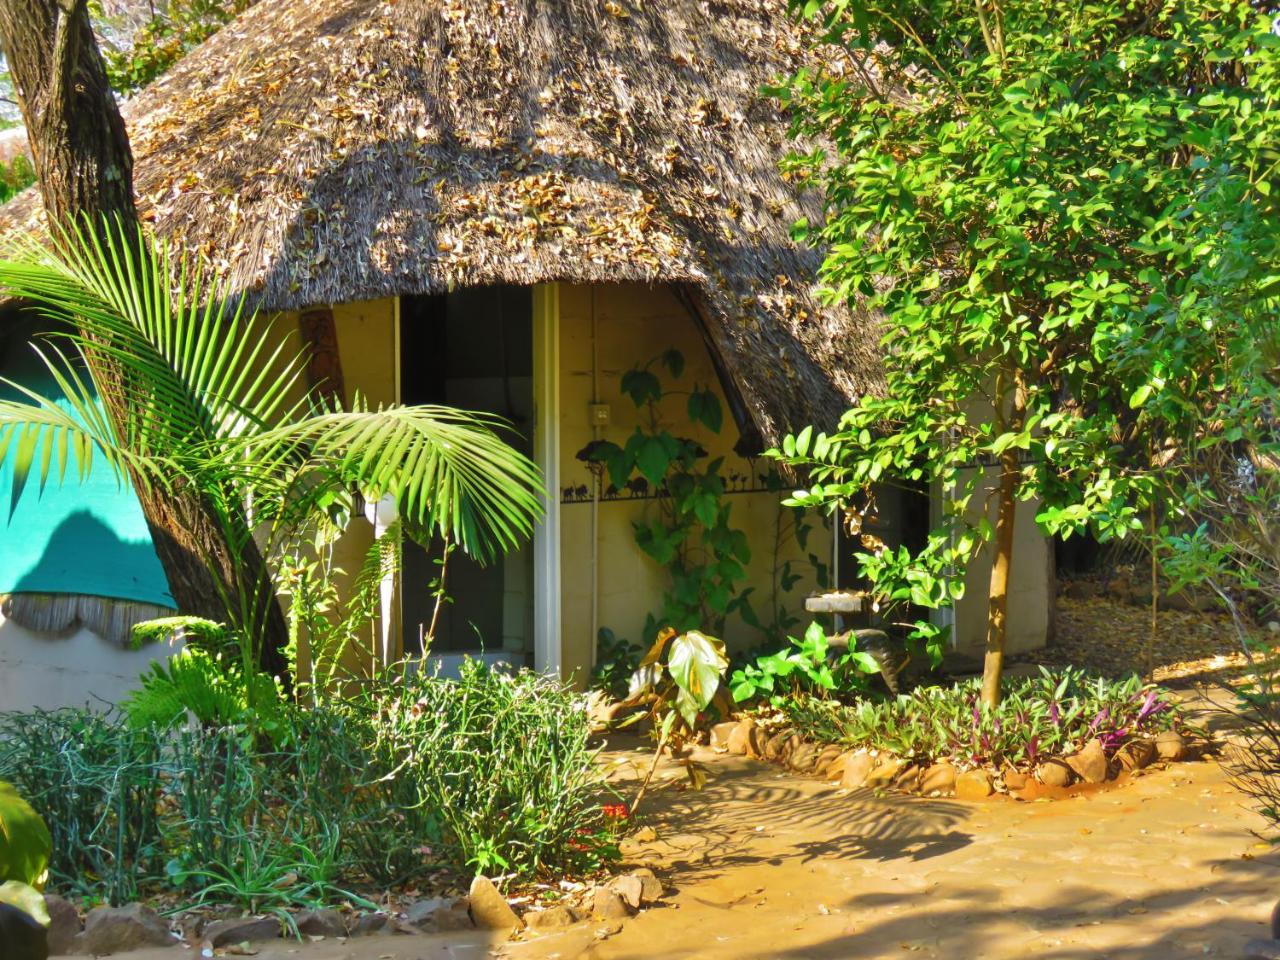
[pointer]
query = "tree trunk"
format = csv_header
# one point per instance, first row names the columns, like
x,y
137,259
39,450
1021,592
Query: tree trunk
x,y
84,167
998,593
1002,561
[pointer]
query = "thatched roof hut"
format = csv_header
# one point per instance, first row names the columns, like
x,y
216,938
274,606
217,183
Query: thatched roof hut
x,y
326,151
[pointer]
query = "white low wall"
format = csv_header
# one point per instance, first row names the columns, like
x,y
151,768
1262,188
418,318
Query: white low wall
x,y
69,669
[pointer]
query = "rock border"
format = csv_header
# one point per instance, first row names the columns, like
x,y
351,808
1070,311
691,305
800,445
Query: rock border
x,y
862,768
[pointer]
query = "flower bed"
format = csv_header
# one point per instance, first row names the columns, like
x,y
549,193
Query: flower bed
x,y
1057,728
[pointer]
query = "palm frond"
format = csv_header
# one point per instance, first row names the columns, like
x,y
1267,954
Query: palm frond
x,y
185,348
450,471
55,434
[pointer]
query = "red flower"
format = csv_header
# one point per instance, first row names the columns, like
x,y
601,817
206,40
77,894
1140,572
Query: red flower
x,y
616,811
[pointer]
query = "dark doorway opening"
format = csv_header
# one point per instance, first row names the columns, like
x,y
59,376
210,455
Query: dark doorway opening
x,y
471,349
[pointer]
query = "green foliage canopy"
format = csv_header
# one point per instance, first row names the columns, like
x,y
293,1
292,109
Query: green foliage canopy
x,y
1020,186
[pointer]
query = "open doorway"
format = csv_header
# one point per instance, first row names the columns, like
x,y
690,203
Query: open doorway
x,y
471,349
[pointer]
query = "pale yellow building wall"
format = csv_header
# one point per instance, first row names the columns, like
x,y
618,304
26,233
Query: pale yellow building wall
x,y
634,323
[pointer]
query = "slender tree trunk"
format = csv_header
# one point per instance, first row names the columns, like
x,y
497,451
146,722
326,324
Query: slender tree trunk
x,y
324,362
1002,561
998,593
84,166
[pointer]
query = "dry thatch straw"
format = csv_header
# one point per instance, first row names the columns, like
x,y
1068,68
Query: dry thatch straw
x,y
337,150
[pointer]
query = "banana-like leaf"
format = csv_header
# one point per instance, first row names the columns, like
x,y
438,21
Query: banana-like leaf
x,y
697,663
26,898
25,844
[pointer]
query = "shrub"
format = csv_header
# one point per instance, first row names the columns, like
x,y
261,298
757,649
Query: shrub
x,y
410,775
1052,714
96,783
805,666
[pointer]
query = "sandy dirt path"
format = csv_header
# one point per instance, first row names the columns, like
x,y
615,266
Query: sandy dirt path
x,y
766,865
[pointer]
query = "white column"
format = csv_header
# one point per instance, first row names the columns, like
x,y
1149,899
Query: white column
x,y
548,647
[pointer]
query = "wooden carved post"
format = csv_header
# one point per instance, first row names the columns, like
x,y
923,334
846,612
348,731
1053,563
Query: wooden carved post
x,y
324,365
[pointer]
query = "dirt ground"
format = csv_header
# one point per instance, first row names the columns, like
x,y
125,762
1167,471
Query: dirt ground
x,y
766,865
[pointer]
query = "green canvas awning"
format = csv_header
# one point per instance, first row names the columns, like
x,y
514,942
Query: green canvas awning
x,y
85,537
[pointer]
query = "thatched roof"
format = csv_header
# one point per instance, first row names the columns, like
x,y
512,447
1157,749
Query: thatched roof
x,y
323,151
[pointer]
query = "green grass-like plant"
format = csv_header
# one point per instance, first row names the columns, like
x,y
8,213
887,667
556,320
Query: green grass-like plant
x,y
411,775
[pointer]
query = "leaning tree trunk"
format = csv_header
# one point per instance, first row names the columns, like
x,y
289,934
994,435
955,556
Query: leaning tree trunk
x,y
85,170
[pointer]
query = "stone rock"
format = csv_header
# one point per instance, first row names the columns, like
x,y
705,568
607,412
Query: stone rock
x,y
1090,764
1081,590
320,923
908,778
803,758
608,904
439,914
739,739
884,772
973,785
857,767
369,924
489,908
1170,746
220,933
788,746
651,889
1135,755
116,929
64,925
1262,950
629,888
1054,773
773,746
1015,779
21,935
548,919
939,778
719,738
826,759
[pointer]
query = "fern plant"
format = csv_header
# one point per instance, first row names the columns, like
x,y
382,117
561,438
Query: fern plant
x,y
213,690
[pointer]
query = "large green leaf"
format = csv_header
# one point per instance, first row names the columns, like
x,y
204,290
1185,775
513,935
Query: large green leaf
x,y
26,898
25,844
697,663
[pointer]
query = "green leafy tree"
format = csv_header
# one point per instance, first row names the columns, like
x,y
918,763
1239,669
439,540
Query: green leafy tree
x,y
1014,184
216,403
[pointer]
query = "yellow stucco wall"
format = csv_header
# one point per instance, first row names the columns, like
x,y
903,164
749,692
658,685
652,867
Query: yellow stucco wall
x,y
632,324
366,346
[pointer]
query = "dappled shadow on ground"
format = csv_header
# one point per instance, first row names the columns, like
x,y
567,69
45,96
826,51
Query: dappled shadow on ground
x,y
861,824
767,865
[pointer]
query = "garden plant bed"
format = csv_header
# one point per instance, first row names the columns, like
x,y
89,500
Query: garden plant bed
x,y
770,739
1056,734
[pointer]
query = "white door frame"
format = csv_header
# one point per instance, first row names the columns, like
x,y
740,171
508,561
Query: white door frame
x,y
548,643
